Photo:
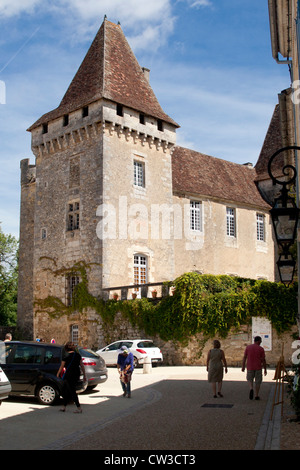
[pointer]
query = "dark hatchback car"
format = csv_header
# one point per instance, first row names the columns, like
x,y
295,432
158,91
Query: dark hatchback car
x,y
32,367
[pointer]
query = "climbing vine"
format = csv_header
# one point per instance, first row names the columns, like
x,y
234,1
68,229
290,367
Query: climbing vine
x,y
207,304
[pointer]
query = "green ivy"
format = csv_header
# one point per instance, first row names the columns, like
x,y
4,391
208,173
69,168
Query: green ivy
x,y
207,304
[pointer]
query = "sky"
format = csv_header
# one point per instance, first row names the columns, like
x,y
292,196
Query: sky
x,y
210,62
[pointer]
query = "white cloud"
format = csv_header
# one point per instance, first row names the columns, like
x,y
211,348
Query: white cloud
x,y
15,7
199,3
149,23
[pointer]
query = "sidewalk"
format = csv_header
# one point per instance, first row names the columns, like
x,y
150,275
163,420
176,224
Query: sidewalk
x,y
170,408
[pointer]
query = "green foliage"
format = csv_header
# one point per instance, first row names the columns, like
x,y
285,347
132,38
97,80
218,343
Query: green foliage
x,y
8,279
207,304
294,390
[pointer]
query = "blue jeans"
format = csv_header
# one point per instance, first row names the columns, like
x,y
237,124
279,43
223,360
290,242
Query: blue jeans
x,y
126,386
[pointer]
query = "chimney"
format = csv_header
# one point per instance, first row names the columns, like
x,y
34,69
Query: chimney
x,y
146,73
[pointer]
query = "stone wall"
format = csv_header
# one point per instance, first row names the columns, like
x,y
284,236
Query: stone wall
x,y
93,333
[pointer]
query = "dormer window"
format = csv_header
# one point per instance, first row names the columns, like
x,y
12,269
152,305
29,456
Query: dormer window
x,y
85,111
160,125
120,110
45,128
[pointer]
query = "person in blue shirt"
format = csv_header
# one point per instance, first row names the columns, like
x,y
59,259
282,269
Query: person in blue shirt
x,y
125,369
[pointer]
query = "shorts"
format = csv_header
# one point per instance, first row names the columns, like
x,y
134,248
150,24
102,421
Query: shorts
x,y
254,374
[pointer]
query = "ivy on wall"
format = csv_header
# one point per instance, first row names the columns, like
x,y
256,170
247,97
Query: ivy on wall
x,y
207,304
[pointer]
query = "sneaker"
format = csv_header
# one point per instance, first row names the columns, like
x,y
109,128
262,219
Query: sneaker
x,y
251,395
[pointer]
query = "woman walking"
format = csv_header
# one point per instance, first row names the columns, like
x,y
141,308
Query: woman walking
x,y
214,365
72,364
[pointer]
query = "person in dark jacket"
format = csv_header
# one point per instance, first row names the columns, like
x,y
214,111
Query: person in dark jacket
x,y
71,365
125,368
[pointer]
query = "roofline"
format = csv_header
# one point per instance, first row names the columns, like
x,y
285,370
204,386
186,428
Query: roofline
x,y
188,194
277,31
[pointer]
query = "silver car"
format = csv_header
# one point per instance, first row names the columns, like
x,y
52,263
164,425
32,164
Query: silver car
x,y
95,367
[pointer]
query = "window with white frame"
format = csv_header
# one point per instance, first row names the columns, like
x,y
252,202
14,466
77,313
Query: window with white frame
x,y
138,174
75,334
140,269
230,222
196,216
260,227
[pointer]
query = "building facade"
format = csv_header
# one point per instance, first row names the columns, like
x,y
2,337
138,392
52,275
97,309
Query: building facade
x,y
112,191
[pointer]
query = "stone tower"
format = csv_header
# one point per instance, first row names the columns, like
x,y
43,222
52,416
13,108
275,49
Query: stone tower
x,y
103,161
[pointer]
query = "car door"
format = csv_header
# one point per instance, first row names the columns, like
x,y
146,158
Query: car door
x,y
23,367
110,352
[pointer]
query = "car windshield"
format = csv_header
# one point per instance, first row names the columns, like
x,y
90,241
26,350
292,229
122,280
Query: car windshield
x,y
87,353
146,344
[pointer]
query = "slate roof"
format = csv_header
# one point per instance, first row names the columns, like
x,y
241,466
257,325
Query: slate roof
x,y
203,175
109,70
272,142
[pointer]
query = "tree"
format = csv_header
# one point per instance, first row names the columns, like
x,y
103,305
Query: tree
x,y
8,279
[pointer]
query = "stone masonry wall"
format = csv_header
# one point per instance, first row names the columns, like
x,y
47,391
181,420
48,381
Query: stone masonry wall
x,y
95,335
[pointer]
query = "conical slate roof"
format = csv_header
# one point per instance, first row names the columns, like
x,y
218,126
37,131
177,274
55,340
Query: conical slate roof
x,y
272,143
109,70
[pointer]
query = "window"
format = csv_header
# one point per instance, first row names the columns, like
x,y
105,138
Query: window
x,y
26,354
71,283
45,128
73,216
231,224
44,233
260,227
140,269
66,120
85,111
160,125
119,110
142,118
196,216
74,334
138,174
74,172
52,356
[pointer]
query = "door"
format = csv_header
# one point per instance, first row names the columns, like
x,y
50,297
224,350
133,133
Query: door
x,y
23,367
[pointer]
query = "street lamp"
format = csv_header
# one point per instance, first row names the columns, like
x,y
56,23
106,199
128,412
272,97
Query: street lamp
x,y
285,215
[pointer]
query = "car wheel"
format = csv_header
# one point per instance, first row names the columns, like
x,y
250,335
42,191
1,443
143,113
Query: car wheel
x,y
47,394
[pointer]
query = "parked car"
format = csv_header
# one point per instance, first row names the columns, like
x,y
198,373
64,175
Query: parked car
x,y
95,367
31,368
140,348
5,387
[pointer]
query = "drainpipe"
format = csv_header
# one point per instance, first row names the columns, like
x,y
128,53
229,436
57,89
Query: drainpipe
x,y
274,33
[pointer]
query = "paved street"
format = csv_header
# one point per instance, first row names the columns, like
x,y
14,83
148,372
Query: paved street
x,y
171,408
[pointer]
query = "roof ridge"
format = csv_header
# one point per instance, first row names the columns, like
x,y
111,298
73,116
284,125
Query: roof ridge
x,y
242,165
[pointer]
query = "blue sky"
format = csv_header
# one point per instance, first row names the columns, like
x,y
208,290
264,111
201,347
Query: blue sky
x,y
211,69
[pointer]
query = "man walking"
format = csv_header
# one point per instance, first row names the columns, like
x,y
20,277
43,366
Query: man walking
x,y
254,356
